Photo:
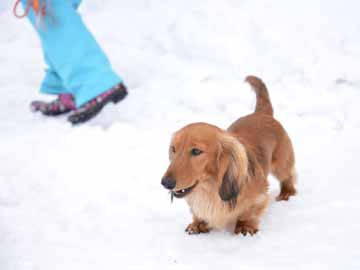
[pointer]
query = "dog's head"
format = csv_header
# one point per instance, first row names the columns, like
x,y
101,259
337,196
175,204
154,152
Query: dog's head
x,y
202,154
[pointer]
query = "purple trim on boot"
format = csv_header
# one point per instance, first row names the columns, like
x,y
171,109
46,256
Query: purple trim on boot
x,y
63,104
67,100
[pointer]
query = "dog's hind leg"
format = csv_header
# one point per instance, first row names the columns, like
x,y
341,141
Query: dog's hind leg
x,y
287,189
283,168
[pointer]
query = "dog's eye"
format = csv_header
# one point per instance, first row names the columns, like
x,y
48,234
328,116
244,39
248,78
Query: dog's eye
x,y
195,152
173,149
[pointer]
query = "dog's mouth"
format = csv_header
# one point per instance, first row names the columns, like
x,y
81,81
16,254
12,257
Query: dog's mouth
x,y
181,193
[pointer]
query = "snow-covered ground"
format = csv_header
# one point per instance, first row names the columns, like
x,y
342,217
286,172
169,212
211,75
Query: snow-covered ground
x,y
90,197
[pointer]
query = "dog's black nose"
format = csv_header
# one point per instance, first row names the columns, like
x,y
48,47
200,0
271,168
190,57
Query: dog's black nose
x,y
168,182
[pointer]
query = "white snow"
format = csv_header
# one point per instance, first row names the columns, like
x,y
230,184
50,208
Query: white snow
x,y
90,197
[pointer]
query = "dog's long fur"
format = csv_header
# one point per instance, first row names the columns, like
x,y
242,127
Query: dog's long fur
x,y
229,176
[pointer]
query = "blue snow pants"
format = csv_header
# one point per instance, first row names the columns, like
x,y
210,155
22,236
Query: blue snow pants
x,y
76,63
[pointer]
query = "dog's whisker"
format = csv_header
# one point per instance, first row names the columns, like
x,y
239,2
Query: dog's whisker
x,y
171,196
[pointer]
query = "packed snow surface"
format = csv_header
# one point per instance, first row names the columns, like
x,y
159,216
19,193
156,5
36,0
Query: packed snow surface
x,y
90,197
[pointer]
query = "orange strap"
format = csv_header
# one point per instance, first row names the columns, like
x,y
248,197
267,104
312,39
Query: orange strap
x,y
30,4
36,6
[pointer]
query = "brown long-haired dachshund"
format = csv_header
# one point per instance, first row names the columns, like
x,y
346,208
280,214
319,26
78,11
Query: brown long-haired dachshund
x,y
222,174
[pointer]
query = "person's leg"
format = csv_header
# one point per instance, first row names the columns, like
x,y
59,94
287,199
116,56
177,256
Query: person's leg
x,y
52,83
75,55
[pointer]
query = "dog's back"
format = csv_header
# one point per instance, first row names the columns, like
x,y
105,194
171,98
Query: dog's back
x,y
264,135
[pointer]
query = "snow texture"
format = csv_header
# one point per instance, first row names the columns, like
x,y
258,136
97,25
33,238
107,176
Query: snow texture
x,y
90,197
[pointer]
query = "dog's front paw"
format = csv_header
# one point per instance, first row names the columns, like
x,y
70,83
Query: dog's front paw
x,y
197,227
244,228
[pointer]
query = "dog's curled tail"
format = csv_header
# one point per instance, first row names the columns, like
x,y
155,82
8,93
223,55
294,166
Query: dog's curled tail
x,y
263,103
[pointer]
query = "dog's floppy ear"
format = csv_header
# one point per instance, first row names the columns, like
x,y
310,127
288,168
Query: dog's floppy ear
x,y
232,168
229,188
